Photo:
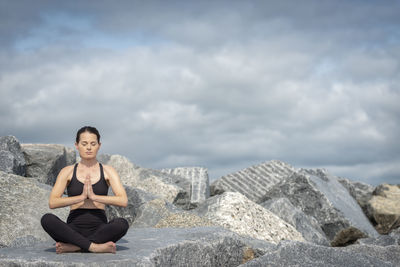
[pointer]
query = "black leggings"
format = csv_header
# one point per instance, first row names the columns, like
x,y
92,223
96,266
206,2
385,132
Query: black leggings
x,y
83,227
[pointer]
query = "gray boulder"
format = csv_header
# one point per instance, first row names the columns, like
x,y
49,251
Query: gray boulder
x,y
173,188
291,253
44,161
11,157
198,178
361,192
389,253
308,226
237,213
23,202
253,182
203,246
320,195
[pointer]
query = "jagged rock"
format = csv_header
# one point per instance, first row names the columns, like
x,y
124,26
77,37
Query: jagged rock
x,y
23,202
44,161
308,226
70,155
361,192
183,219
385,207
11,157
171,187
203,246
198,178
292,253
136,198
316,193
237,213
253,182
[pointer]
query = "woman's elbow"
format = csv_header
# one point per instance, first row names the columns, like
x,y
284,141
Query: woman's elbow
x,y
124,203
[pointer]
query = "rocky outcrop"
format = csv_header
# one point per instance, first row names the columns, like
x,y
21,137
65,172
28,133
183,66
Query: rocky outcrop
x,y
385,207
291,253
253,182
11,157
361,192
308,226
316,192
198,178
203,246
44,161
171,187
23,202
237,213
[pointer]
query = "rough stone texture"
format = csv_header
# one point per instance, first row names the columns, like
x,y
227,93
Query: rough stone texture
x,y
136,198
389,254
385,207
203,246
44,161
23,202
383,240
291,253
308,226
361,192
237,213
253,182
183,219
11,157
198,177
321,196
171,187
70,155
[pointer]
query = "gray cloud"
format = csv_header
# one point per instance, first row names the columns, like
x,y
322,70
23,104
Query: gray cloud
x,y
223,85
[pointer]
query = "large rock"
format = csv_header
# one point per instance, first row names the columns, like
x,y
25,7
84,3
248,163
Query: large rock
x,y
11,157
385,207
308,226
316,193
361,192
198,178
44,161
171,187
253,182
23,202
291,253
237,213
203,246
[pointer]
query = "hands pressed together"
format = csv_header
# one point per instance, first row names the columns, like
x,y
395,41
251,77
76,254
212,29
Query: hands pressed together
x,y
87,192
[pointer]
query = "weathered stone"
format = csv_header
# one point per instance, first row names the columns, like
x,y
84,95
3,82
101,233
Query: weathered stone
x,y
203,246
171,187
361,192
70,155
23,202
44,161
389,254
382,240
136,198
385,207
183,219
308,226
11,157
316,193
253,182
237,213
292,253
198,177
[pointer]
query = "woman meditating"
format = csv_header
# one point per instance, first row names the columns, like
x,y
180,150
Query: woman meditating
x,y
87,185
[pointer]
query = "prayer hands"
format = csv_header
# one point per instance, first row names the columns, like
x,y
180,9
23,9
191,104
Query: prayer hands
x,y
88,189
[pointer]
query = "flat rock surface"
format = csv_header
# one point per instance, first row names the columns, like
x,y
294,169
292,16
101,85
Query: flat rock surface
x,y
203,246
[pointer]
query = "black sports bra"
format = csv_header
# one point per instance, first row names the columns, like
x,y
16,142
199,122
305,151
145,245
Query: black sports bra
x,y
75,187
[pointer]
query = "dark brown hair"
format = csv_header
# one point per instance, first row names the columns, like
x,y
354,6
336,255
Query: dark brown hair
x,y
89,129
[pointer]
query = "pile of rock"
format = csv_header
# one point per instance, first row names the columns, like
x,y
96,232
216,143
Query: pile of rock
x,y
269,213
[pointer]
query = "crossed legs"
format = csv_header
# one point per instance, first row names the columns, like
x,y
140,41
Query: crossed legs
x,y
70,240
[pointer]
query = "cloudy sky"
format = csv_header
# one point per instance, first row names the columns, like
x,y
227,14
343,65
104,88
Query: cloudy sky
x,y
219,84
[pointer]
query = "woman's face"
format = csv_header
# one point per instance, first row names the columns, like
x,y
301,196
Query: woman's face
x,y
88,145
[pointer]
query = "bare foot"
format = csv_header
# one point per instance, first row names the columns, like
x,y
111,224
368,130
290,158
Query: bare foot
x,y
108,247
65,247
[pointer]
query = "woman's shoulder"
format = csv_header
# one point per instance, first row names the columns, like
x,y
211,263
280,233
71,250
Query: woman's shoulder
x,y
108,169
67,170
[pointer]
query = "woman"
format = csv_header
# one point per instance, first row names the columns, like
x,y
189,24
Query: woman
x,y
87,185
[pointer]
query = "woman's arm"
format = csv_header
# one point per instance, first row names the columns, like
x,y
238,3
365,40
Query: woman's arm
x,y
119,198
56,200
